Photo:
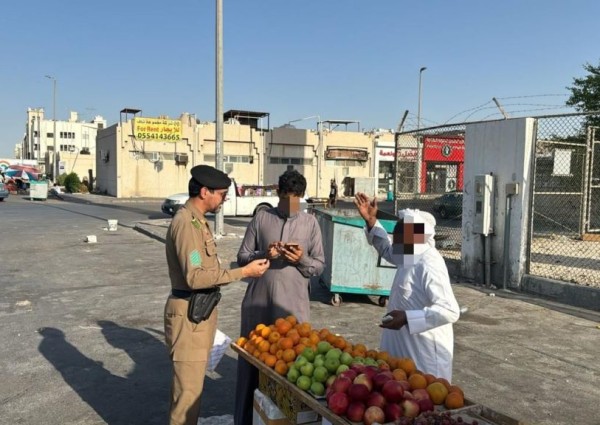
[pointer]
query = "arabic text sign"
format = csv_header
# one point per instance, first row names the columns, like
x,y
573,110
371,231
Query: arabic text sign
x,y
157,129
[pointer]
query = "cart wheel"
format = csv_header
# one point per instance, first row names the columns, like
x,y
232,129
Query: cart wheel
x,y
336,300
383,301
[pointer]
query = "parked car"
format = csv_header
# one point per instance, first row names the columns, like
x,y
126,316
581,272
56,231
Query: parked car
x,y
172,204
3,191
449,205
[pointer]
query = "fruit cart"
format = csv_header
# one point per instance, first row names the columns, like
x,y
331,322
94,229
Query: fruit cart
x,y
292,401
351,264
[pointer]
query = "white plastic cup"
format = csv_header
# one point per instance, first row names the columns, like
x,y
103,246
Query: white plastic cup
x,y
112,225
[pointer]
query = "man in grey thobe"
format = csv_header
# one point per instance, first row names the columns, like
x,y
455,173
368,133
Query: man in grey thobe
x,y
284,288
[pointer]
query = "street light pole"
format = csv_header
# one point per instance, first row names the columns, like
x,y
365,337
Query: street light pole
x,y
54,164
419,107
219,221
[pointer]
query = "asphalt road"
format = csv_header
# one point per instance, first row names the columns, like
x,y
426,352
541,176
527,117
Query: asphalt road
x,y
82,331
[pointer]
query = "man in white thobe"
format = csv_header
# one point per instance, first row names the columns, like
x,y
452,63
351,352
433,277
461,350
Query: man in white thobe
x,y
422,306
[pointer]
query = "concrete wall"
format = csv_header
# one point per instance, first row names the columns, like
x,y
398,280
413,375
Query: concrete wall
x,y
503,148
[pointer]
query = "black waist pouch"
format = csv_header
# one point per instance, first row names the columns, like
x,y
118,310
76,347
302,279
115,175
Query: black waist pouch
x,y
202,303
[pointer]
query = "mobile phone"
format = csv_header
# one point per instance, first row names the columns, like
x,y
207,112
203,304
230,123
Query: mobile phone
x,y
292,245
386,319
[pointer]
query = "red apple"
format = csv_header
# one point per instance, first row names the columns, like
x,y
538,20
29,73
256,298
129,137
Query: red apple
x,y
338,403
373,415
393,412
350,373
358,368
375,399
411,408
371,371
426,405
393,391
420,394
356,411
341,384
380,379
408,395
364,380
405,384
358,392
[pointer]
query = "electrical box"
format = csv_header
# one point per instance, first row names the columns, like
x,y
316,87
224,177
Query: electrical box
x,y
484,197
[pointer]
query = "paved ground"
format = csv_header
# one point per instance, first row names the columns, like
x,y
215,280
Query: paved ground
x,y
82,330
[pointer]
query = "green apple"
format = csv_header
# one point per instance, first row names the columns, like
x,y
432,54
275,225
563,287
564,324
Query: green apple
x,y
307,369
332,364
293,375
336,353
346,358
330,381
300,361
317,388
304,383
358,359
320,374
341,368
309,353
319,360
323,347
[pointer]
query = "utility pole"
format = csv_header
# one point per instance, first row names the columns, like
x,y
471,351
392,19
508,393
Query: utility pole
x,y
54,163
219,225
504,114
419,106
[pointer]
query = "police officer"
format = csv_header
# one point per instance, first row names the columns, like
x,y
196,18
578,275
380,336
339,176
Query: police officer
x,y
193,264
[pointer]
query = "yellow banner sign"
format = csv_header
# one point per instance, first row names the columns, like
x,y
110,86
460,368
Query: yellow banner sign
x,y
157,129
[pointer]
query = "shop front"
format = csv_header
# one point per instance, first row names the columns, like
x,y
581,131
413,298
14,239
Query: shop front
x,y
407,169
443,164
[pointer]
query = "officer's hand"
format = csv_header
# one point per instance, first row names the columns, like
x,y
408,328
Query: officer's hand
x,y
256,268
292,254
398,320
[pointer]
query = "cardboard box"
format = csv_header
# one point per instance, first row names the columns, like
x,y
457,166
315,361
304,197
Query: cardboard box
x,y
266,412
292,407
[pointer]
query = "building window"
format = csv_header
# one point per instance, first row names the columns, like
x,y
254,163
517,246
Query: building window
x,y
67,135
100,126
35,133
295,161
229,158
49,134
344,163
67,148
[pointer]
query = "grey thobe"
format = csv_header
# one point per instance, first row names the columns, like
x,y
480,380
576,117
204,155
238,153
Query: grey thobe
x,y
281,291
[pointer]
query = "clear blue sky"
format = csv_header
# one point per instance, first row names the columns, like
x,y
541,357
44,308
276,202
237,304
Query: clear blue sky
x,y
340,59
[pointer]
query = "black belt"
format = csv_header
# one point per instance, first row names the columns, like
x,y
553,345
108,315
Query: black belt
x,y
180,293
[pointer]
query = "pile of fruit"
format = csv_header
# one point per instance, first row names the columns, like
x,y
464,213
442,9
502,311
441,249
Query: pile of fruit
x,y
363,385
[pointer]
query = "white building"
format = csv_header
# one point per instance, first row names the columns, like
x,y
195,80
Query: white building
x,y
75,142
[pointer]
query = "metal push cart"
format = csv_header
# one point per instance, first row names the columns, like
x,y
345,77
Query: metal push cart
x,y
351,264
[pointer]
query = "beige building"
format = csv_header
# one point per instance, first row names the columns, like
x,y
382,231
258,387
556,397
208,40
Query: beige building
x,y
75,142
152,157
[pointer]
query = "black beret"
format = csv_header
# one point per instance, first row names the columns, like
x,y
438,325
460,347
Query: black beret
x,y
210,177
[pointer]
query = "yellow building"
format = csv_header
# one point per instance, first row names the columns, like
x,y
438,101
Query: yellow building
x,y
152,157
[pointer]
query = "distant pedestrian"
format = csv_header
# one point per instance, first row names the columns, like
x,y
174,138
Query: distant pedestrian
x,y
333,193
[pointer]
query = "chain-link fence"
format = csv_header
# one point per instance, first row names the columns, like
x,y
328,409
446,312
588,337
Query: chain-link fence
x,y
565,222
429,176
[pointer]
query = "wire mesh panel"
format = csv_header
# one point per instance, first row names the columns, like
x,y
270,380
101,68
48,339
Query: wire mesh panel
x,y
429,176
564,242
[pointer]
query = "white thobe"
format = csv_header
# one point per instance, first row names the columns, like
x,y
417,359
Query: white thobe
x,y
424,292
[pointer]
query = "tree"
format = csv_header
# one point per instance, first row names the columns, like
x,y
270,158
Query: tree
x,y
585,93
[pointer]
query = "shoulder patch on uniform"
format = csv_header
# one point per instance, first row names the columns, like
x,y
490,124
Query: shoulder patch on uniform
x,y
195,223
195,258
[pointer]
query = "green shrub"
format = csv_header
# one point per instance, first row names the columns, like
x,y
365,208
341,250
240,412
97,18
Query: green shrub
x,y
61,179
72,183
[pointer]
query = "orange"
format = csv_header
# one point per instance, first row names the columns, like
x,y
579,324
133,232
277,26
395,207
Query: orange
x,y
438,392
372,354
399,374
445,382
314,337
456,389
339,342
279,354
330,338
285,343
270,360
292,319
262,356
416,380
305,329
305,340
273,349
259,327
274,337
299,349
407,364
252,334
256,353
288,355
383,355
284,327
281,367
323,334
264,332
360,347
241,341
430,378
294,335
454,400
264,346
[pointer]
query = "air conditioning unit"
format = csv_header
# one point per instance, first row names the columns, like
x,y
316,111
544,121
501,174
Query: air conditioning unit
x,y
181,158
71,148
228,167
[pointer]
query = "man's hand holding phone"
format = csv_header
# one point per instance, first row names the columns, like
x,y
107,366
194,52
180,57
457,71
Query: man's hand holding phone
x,y
292,252
394,319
